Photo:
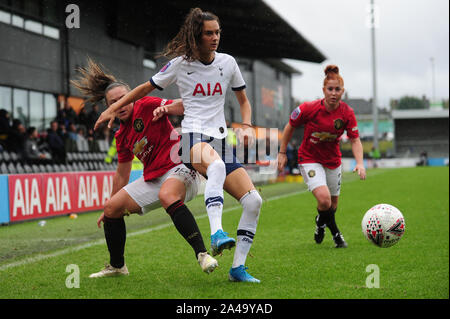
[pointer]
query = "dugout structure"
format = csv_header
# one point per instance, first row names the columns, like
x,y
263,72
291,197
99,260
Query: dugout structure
x,y
417,131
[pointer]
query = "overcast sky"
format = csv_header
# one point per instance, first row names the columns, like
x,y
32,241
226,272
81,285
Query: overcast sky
x,y
409,34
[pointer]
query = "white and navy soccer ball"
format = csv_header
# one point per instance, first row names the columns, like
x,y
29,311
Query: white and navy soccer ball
x,y
383,225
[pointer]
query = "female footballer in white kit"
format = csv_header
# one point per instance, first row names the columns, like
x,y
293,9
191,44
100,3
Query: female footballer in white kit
x,y
164,183
203,77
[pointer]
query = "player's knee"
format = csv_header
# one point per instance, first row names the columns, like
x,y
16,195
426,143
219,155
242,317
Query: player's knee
x,y
168,197
323,203
252,202
216,168
112,210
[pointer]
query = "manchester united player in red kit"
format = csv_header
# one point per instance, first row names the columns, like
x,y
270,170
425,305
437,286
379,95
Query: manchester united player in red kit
x,y
319,156
165,182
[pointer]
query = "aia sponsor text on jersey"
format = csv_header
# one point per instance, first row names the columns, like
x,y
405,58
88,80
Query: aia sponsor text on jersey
x,y
199,89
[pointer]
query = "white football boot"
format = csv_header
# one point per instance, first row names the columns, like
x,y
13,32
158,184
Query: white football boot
x,y
207,262
109,271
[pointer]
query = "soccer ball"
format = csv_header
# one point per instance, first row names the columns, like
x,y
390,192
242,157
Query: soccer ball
x,y
383,225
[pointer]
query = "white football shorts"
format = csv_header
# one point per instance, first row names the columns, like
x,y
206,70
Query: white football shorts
x,y
145,194
316,175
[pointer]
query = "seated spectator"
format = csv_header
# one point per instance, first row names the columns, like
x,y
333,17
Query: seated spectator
x,y
56,144
72,132
72,137
82,116
423,160
18,114
32,154
5,128
92,140
17,137
67,115
93,115
82,143
62,131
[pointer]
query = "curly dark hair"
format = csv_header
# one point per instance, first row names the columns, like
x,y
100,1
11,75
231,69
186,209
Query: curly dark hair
x,y
187,41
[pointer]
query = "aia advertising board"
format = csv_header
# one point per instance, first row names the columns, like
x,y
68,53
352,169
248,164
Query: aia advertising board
x,y
34,196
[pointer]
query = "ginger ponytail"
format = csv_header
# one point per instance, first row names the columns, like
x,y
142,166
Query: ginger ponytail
x,y
332,73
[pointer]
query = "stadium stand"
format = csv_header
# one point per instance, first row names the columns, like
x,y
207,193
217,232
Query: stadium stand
x,y
12,163
418,131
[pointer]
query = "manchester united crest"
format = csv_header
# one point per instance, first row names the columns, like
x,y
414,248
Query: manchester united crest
x,y
138,125
338,124
312,173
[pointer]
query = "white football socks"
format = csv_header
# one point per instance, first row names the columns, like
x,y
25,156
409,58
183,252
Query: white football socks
x,y
216,174
251,204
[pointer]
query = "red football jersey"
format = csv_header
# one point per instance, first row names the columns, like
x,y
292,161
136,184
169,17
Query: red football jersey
x,y
323,131
153,143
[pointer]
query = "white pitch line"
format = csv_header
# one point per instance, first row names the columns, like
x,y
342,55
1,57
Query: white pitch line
x,y
40,257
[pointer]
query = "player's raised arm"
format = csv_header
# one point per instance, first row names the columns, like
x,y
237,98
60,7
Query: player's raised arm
x,y
137,93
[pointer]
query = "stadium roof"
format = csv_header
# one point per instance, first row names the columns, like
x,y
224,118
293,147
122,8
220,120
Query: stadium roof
x,y
250,27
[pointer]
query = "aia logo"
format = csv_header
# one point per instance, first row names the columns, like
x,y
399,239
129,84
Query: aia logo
x,y
199,89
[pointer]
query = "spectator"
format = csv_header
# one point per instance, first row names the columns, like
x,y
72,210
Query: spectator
x,y
32,154
93,116
72,132
56,144
17,137
91,138
67,115
423,161
22,117
83,117
63,134
5,128
71,138
82,143
375,155
291,157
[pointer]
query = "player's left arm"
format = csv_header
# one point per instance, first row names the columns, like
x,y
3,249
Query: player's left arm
x,y
357,148
246,114
358,153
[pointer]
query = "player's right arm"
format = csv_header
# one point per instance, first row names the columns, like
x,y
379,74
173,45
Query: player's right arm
x,y
121,177
287,135
137,93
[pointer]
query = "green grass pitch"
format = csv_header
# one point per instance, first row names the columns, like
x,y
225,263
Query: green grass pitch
x,y
290,265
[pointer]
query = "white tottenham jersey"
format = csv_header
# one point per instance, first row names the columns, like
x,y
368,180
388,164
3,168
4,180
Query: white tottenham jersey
x,y
203,89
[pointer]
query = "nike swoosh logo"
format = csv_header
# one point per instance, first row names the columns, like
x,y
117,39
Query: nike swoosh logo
x,y
189,73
